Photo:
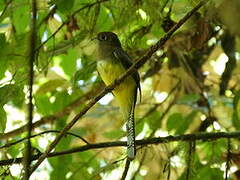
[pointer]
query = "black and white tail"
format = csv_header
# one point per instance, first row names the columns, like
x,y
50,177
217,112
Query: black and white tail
x,y
131,145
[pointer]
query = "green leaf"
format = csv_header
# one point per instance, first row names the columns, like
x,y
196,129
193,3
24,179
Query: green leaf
x,y
105,20
68,62
3,67
208,173
189,99
186,122
85,72
3,119
236,111
51,85
18,96
114,134
203,172
174,121
61,162
14,150
11,93
43,104
213,151
81,131
61,101
86,158
46,107
21,17
153,120
4,94
179,123
236,120
2,41
139,127
65,6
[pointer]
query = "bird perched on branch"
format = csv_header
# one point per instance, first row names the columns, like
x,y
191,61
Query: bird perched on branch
x,y
112,62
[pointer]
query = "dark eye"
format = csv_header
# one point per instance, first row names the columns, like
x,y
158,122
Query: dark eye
x,y
102,37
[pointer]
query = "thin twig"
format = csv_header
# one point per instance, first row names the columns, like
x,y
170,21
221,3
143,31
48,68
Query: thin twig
x,y
32,54
140,165
169,169
228,158
165,112
153,109
41,133
109,88
104,168
189,161
48,16
85,164
127,165
67,21
5,8
143,142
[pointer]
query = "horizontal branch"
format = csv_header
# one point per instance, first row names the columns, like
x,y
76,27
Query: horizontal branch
x,y
39,134
143,142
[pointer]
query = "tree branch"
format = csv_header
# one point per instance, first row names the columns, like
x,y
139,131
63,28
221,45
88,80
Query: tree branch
x,y
41,133
32,54
191,150
5,8
127,165
67,21
140,164
228,158
109,88
143,142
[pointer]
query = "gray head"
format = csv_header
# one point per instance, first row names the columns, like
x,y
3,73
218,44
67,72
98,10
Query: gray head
x,y
108,39
107,42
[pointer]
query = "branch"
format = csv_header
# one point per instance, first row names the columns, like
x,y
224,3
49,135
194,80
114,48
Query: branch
x,y
32,54
190,158
127,165
140,165
153,109
67,21
41,133
5,8
109,88
228,159
143,142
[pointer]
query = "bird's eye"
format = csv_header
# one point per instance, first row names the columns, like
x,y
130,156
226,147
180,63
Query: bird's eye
x,y
103,37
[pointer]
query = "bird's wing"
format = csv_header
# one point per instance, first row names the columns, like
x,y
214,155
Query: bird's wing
x,y
126,61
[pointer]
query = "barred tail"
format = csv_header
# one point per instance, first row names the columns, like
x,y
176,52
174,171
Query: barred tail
x,y
131,145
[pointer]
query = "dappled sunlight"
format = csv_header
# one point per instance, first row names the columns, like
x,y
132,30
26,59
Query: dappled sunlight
x,y
15,116
219,64
106,99
160,96
142,13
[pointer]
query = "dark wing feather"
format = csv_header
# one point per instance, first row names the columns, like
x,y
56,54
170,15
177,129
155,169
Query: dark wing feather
x,y
126,61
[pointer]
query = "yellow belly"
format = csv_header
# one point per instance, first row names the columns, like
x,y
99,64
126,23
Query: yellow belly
x,y
125,92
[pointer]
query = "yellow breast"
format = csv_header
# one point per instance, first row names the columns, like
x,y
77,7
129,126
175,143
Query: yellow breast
x,y
125,92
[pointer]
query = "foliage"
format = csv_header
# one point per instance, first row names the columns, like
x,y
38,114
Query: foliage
x,y
189,86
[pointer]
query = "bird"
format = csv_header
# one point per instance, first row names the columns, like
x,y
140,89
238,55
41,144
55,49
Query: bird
x,y
112,62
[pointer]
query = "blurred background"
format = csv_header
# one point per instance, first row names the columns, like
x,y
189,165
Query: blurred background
x,y
192,85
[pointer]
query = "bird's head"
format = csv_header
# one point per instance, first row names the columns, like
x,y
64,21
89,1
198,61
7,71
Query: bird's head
x,y
108,39
106,43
